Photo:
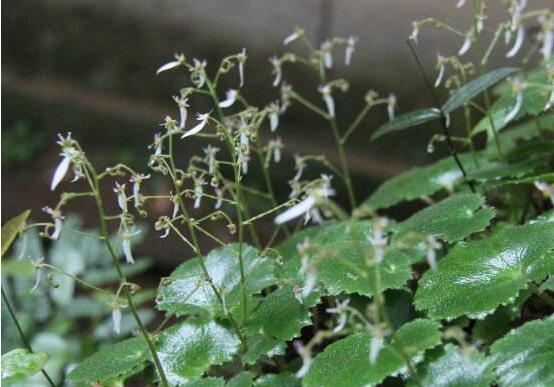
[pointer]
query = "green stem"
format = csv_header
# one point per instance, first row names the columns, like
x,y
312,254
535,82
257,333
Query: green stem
x,y
343,163
22,334
493,126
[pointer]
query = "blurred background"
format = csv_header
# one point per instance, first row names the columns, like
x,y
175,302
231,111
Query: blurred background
x,y
89,67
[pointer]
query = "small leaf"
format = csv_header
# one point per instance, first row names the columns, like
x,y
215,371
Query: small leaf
x,y
338,251
125,358
422,181
279,318
187,291
451,219
188,349
11,228
404,121
451,367
476,87
345,363
475,278
524,357
20,364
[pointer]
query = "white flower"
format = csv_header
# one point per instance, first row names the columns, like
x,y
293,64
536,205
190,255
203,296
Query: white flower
x,y
350,48
465,46
276,146
179,59
157,145
378,239
183,105
299,165
277,70
198,75
61,170
126,236
546,189
460,3
137,180
116,319
375,346
219,201
230,99
199,182
518,43
58,224
241,57
210,152
298,32
432,245
517,89
415,32
326,48
547,35
341,310
391,106
325,91
314,195
442,68
306,357
203,118
121,197
273,116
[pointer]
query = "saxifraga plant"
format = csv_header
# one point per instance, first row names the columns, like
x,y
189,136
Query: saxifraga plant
x,y
459,293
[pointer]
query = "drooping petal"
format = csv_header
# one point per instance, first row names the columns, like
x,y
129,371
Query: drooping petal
x,y
60,172
460,3
168,66
374,348
330,103
518,43
515,110
183,114
126,246
203,118
296,210
58,225
116,319
465,46
547,45
273,121
438,81
231,97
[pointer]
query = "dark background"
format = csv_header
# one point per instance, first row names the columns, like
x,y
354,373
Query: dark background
x,y
89,67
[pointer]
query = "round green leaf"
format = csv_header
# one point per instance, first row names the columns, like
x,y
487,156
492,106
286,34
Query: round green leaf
x,y
187,290
450,367
451,219
474,278
112,362
20,363
188,349
345,363
525,356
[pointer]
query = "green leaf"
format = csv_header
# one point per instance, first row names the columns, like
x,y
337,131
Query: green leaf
x,y
187,291
422,181
476,87
20,363
404,121
205,382
279,318
524,357
450,367
533,103
451,219
103,276
474,278
338,251
345,363
112,362
11,228
243,379
188,349
496,171
284,379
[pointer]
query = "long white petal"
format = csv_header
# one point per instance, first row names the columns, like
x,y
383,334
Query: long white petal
x,y
57,229
183,114
195,130
550,99
460,3
296,210
515,110
465,46
291,38
273,121
330,104
168,66
60,172
126,245
241,74
547,45
440,76
518,43
122,201
278,76
116,318
374,349
328,59
136,194
230,99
